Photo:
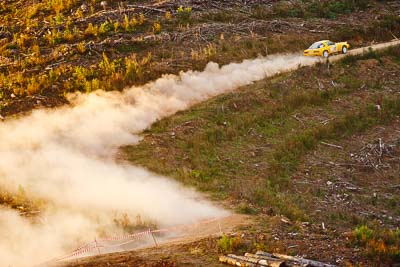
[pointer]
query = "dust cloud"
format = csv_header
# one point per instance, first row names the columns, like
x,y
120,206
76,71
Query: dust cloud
x,y
66,156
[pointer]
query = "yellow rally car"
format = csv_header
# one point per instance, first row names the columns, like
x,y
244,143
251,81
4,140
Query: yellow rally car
x,y
325,48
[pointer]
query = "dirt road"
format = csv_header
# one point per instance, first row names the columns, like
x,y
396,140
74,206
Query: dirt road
x,y
201,232
158,244
358,51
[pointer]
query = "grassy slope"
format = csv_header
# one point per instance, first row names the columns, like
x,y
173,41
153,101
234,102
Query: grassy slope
x,y
50,48
44,55
39,59
250,147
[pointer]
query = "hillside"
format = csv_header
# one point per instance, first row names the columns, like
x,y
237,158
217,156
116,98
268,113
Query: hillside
x,y
54,47
323,152
314,161
309,157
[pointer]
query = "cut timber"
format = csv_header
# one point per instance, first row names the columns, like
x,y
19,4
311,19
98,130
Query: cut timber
x,y
301,261
148,8
331,145
261,257
261,262
234,262
306,262
251,262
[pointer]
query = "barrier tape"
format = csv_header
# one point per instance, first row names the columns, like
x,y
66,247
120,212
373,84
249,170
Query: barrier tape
x,y
91,246
122,237
84,249
148,232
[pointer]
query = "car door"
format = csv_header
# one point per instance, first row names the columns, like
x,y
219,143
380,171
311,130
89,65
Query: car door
x,y
332,47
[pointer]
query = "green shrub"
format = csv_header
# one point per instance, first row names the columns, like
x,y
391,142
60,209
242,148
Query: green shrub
x,y
106,27
381,245
244,208
229,244
91,30
363,234
328,9
288,10
184,13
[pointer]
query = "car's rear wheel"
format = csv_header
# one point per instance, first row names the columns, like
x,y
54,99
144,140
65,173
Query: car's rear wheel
x,y
344,49
325,54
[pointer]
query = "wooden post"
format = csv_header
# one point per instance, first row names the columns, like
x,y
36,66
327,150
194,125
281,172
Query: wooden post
x,y
154,239
98,248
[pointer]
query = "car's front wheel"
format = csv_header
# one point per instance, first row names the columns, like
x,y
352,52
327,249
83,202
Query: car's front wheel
x,y
325,54
344,49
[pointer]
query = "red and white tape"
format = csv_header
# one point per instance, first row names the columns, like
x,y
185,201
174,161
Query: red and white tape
x,y
84,249
122,237
89,247
133,238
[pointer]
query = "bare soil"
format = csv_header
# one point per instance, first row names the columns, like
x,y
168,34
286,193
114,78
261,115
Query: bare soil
x,y
338,185
348,182
185,247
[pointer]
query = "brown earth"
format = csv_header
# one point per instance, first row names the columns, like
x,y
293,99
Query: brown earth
x,y
346,182
365,193
193,240
223,32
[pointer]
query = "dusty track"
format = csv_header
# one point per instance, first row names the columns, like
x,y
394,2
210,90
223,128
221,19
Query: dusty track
x,y
229,223
175,238
362,50
215,228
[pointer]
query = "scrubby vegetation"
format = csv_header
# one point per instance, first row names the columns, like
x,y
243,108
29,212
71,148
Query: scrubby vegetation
x,y
381,245
51,48
259,149
251,147
322,9
28,206
228,244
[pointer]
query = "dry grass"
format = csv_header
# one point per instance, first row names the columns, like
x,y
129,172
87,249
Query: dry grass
x,y
246,147
55,37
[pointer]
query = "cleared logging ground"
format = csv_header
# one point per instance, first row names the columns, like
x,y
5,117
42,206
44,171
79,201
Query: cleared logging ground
x,y
51,48
292,145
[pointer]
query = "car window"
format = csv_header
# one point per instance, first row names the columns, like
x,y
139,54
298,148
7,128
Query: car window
x,y
331,43
316,45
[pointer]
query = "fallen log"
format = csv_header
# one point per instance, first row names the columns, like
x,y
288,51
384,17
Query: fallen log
x,y
235,262
148,8
262,262
248,261
300,261
264,259
261,257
